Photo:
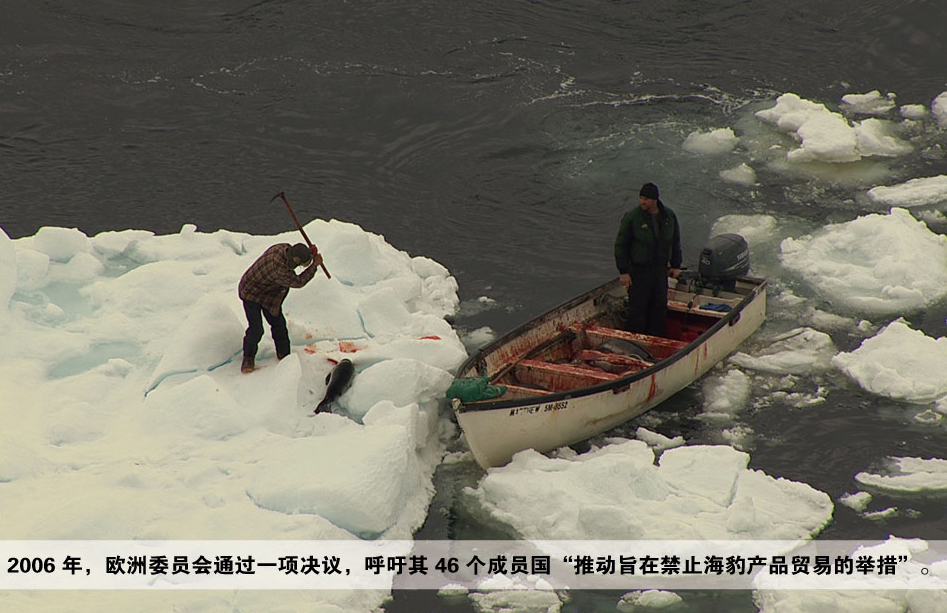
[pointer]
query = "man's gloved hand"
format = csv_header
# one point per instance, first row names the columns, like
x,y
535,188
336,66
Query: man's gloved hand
x,y
316,257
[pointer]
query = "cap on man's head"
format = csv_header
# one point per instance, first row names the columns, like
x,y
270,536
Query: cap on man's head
x,y
649,190
301,253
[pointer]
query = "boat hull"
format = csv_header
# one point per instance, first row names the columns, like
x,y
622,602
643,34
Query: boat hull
x,y
495,431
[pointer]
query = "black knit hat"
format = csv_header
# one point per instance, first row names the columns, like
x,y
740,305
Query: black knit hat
x,y
649,190
301,252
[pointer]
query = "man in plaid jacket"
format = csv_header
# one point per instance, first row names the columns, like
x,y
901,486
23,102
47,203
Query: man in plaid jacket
x,y
263,289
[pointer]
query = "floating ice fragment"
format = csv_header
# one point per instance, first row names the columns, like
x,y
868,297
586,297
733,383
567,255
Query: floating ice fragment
x,y
714,142
516,601
741,175
899,362
845,262
857,501
756,229
799,351
728,393
914,112
738,437
872,103
908,475
939,109
881,515
657,441
650,599
928,417
876,137
916,192
479,337
825,136
617,492
791,112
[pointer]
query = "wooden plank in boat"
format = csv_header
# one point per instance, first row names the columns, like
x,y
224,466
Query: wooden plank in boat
x,y
630,363
560,377
681,307
658,346
519,391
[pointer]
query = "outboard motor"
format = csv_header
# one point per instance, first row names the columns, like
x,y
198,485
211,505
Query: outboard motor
x,y
726,257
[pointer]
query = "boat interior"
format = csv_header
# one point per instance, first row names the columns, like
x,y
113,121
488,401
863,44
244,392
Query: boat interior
x,y
600,350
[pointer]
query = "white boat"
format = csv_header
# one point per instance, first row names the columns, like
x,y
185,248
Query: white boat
x,y
573,372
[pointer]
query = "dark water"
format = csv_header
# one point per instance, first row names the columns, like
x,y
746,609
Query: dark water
x,y
499,137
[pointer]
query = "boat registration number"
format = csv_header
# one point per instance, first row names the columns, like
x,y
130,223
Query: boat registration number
x,y
540,408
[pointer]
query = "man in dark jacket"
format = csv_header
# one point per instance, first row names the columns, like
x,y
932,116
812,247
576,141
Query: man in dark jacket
x,y
647,252
263,289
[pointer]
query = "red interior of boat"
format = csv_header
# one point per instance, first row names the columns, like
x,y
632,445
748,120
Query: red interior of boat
x,y
585,355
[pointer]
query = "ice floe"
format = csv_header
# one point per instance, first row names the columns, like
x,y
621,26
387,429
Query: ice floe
x,y
826,136
715,142
125,415
899,362
647,599
619,492
799,351
908,475
846,263
918,192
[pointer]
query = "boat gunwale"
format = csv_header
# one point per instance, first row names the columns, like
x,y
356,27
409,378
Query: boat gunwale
x,y
596,293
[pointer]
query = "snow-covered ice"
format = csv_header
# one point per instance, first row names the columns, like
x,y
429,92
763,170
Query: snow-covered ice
x,y
620,492
741,175
872,103
647,599
908,475
516,601
770,599
873,265
826,136
899,362
126,417
857,501
799,351
658,441
939,109
726,394
918,192
715,142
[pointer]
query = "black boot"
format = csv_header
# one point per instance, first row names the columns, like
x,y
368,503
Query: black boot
x,y
247,365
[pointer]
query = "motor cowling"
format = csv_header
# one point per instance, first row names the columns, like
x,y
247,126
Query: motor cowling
x,y
723,259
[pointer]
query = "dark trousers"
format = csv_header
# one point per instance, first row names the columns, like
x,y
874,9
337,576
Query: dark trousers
x,y
648,300
255,314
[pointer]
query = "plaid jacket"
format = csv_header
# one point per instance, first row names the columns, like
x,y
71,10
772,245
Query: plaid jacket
x,y
268,280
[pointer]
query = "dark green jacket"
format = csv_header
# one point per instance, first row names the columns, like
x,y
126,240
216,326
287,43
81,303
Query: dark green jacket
x,y
645,240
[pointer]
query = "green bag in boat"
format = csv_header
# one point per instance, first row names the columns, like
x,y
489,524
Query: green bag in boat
x,y
472,389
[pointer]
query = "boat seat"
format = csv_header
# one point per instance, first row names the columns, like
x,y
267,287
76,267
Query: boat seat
x,y
560,377
658,346
519,391
626,362
705,311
